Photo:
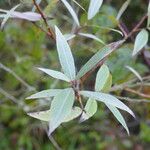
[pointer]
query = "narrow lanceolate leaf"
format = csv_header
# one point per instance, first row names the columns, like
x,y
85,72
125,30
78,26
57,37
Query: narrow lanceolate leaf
x,y
102,77
75,112
98,57
107,85
65,55
55,74
41,115
4,11
45,115
135,73
118,116
107,98
30,16
103,83
94,8
45,94
140,41
123,9
89,110
72,12
69,36
8,15
79,5
61,107
91,36
148,21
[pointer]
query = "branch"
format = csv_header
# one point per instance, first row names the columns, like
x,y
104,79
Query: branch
x,y
114,47
133,100
136,27
30,88
13,99
50,33
54,142
137,93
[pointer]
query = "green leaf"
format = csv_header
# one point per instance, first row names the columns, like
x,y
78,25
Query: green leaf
x,y
107,85
45,115
118,116
98,57
91,36
45,94
4,11
140,41
79,5
69,36
65,55
89,110
2,15
72,12
123,8
55,74
75,112
94,8
102,77
8,15
135,73
41,115
107,98
103,83
61,107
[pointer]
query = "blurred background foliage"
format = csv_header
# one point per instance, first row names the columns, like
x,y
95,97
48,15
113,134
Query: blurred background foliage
x,y
23,47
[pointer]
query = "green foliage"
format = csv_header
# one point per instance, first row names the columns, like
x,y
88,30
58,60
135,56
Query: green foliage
x,y
24,46
140,41
94,8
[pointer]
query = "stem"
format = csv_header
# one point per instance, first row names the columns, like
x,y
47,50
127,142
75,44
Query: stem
x,y
50,33
114,47
137,93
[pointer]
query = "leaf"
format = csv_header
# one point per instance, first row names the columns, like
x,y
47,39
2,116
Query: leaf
x,y
69,36
118,116
91,36
72,12
45,94
135,73
107,98
108,84
4,11
61,107
102,77
8,15
55,74
106,28
123,8
2,16
45,115
140,41
76,112
30,16
94,8
89,110
103,83
79,5
98,57
42,115
65,55
148,21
